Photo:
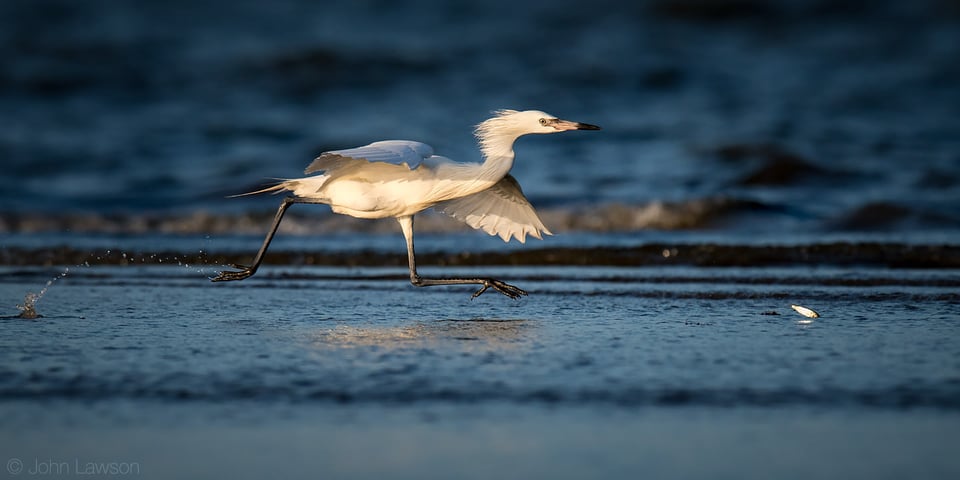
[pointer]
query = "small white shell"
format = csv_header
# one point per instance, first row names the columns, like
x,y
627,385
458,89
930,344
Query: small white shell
x,y
806,312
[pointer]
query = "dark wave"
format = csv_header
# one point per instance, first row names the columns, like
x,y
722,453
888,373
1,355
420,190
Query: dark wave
x,y
310,390
773,165
892,255
887,216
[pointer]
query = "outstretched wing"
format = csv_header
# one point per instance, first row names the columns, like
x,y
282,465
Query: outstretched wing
x,y
397,152
499,210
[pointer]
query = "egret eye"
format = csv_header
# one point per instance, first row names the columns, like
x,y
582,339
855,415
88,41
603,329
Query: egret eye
x,y
543,121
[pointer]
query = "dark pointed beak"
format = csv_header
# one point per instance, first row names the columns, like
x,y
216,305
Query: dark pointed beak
x,y
568,125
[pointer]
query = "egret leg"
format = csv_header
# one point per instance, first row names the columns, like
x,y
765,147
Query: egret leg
x,y
406,225
245,271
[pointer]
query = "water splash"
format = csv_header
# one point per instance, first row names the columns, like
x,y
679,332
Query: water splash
x,y
29,308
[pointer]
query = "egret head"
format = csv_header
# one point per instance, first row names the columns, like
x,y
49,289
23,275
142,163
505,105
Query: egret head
x,y
512,123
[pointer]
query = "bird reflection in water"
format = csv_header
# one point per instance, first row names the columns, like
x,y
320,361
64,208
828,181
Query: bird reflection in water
x,y
491,332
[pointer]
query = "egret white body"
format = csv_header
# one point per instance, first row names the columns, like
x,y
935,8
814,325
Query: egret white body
x,y
400,178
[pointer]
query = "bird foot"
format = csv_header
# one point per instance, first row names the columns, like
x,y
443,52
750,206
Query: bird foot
x,y
243,271
502,287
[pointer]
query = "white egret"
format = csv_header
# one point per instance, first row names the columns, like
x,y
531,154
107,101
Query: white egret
x,y
400,178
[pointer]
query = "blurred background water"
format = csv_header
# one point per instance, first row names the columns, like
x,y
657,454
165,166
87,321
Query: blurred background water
x,y
729,115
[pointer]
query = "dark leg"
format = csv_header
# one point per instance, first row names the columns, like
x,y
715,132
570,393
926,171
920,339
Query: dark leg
x,y
245,271
406,224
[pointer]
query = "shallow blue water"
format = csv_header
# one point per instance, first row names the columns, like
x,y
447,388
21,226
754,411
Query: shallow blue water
x,y
630,337
600,371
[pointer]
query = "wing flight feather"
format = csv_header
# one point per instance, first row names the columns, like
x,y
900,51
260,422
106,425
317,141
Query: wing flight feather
x,y
500,210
